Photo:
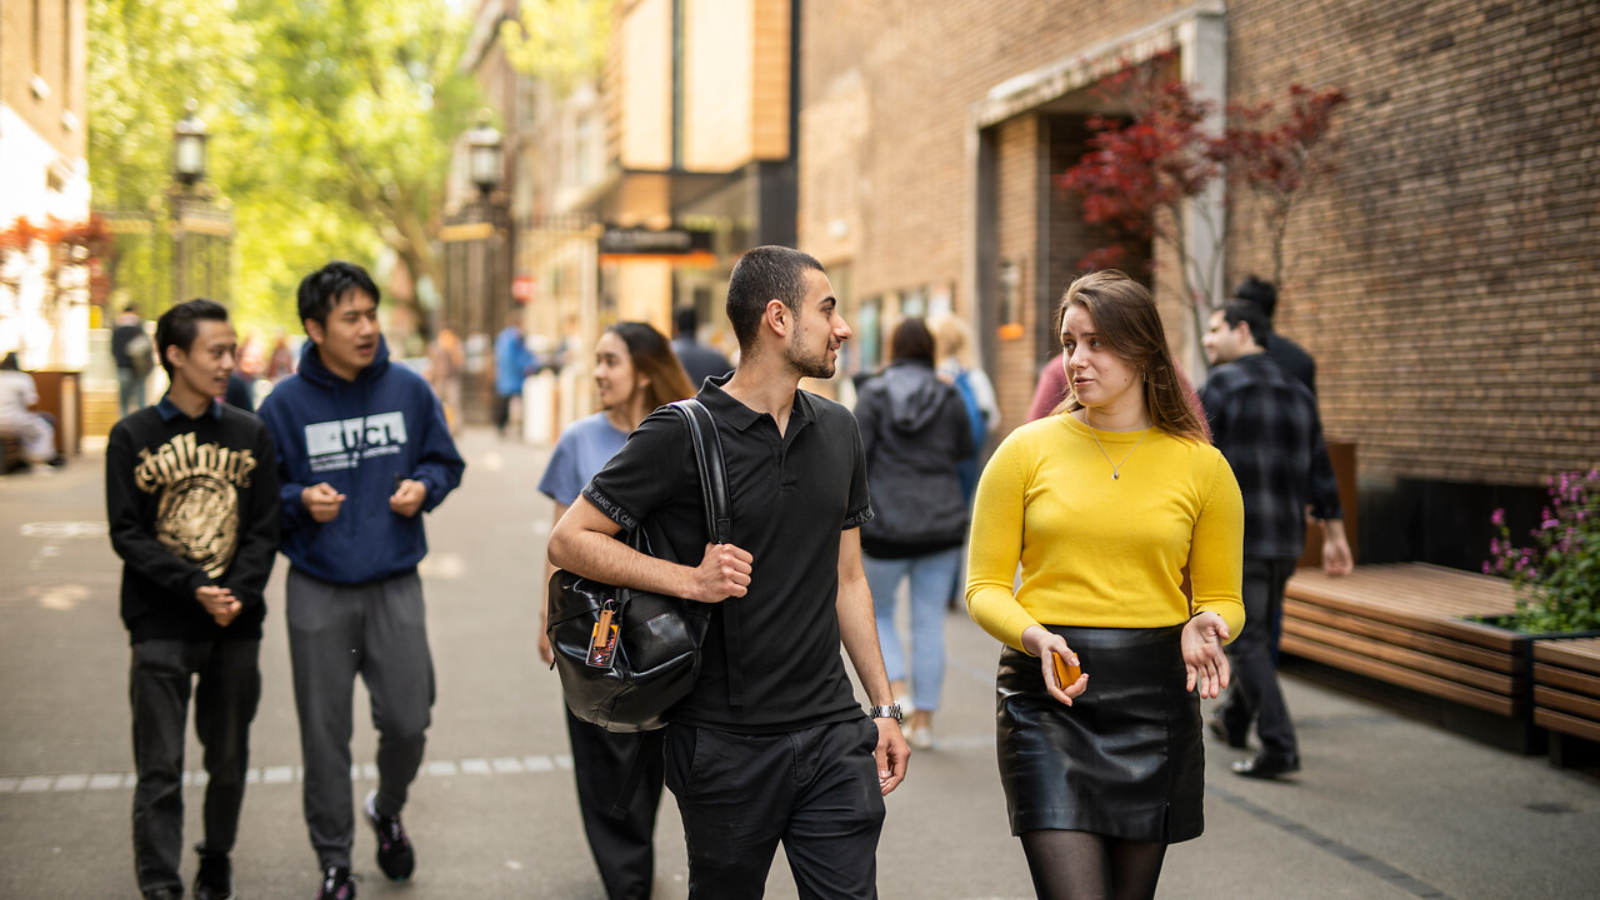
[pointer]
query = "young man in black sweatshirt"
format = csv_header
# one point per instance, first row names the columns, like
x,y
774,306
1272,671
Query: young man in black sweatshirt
x,y
192,499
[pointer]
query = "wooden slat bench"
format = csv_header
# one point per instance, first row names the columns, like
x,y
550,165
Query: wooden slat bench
x,y
1402,624
1566,693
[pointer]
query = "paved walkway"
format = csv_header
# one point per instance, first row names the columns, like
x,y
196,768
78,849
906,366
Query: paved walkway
x,y
1387,807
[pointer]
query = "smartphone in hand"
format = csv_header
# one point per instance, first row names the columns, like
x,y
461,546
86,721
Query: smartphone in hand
x,y
1066,673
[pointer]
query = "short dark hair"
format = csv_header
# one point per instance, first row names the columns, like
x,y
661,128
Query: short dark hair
x,y
323,288
912,340
1262,293
9,362
762,274
179,326
1236,311
684,321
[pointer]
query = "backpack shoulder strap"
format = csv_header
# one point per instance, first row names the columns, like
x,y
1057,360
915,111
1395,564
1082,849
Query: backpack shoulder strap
x,y
707,443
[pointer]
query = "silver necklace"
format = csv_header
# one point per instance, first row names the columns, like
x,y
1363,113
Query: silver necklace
x,y
1115,466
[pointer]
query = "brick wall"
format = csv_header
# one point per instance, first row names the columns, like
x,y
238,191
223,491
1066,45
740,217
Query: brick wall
x,y
1446,278
1017,162
58,59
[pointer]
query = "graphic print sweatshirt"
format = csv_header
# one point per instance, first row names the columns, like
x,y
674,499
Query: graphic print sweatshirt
x,y
191,502
361,437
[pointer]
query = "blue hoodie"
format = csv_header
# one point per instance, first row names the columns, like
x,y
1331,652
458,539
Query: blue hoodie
x,y
361,437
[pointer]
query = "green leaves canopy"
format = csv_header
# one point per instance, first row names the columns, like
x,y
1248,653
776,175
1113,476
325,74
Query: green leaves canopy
x,y
331,124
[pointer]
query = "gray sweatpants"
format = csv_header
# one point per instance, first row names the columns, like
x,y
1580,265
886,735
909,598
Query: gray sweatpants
x,y
335,632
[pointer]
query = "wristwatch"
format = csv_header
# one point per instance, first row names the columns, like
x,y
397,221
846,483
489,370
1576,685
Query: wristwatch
x,y
892,711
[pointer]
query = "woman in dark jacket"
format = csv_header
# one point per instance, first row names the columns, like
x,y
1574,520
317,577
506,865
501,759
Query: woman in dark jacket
x,y
915,431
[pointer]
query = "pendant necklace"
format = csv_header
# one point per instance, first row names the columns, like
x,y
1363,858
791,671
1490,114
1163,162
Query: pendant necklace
x,y
1115,466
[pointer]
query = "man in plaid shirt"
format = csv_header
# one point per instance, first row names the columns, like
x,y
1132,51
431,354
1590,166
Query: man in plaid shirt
x,y
1265,422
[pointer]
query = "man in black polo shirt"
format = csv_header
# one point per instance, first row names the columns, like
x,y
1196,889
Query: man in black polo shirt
x,y
771,745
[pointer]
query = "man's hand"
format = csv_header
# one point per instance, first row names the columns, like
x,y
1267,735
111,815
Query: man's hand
x,y
892,754
723,573
1336,557
1204,661
219,603
407,499
321,501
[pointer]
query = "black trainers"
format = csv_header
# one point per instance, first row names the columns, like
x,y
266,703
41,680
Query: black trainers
x,y
215,878
337,885
164,894
395,856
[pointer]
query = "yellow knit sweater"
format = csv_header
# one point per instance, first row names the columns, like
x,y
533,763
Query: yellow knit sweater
x,y
1100,552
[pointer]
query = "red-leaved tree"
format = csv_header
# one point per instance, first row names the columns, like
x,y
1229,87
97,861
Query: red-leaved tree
x,y
1141,172
67,246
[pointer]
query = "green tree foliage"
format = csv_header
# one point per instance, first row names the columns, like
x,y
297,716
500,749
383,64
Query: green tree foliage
x,y
559,42
331,125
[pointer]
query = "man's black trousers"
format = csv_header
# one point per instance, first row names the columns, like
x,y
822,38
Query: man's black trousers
x,y
159,685
816,790
623,845
1255,693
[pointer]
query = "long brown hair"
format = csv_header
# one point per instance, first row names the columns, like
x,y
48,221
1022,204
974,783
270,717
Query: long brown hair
x,y
652,356
1125,317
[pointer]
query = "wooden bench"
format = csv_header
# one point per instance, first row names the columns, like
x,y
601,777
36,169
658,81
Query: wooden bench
x,y
1402,624
1566,695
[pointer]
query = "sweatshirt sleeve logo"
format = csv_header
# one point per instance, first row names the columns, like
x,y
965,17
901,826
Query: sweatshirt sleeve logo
x,y
342,444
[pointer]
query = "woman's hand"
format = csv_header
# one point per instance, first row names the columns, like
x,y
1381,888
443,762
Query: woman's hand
x,y
1042,642
1203,658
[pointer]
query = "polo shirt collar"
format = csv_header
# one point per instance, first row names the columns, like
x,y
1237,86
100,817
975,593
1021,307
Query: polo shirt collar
x,y
727,409
170,410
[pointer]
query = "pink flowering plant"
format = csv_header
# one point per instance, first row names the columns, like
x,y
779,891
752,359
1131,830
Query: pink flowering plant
x,y
1557,577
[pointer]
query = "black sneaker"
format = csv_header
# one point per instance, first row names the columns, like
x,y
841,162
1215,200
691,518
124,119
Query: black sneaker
x,y
337,885
215,878
164,894
395,856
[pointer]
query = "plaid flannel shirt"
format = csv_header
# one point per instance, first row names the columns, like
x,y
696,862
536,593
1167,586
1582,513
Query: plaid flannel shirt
x,y
1266,424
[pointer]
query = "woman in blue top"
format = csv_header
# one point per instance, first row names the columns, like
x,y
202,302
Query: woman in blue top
x,y
635,372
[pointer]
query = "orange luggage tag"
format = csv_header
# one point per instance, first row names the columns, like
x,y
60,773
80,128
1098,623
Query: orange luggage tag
x,y
603,641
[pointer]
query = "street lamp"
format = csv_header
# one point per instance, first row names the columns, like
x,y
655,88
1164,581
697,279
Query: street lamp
x,y
484,155
189,147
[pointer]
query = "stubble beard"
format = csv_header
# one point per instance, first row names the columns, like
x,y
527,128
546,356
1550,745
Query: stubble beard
x,y
809,366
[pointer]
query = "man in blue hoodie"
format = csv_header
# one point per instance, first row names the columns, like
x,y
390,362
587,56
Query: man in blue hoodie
x,y
363,451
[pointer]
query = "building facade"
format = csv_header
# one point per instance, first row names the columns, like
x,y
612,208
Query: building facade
x,y
44,158
1444,276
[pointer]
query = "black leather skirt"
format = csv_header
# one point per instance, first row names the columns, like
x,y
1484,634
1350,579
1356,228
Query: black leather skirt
x,y
1125,760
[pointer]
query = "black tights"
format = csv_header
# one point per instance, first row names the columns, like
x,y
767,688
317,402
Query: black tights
x,y
1079,865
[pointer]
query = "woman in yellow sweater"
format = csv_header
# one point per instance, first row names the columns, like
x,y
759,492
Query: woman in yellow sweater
x,y
1103,504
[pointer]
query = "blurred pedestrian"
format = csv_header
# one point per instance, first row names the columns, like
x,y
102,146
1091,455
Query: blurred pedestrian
x,y
699,361
353,430
513,363
35,430
192,503
280,362
953,352
446,362
915,433
1265,422
241,392
1050,390
770,745
131,350
1103,505
634,373
1289,356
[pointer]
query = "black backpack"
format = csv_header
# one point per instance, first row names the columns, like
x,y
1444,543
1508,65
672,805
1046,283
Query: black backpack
x,y
657,657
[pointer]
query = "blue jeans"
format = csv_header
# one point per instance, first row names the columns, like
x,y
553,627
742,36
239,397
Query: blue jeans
x,y
130,391
931,577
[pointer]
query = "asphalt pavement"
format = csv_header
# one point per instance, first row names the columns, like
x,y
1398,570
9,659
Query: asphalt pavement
x,y
1386,808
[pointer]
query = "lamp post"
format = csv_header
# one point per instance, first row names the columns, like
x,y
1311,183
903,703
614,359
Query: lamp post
x,y
486,159
189,139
